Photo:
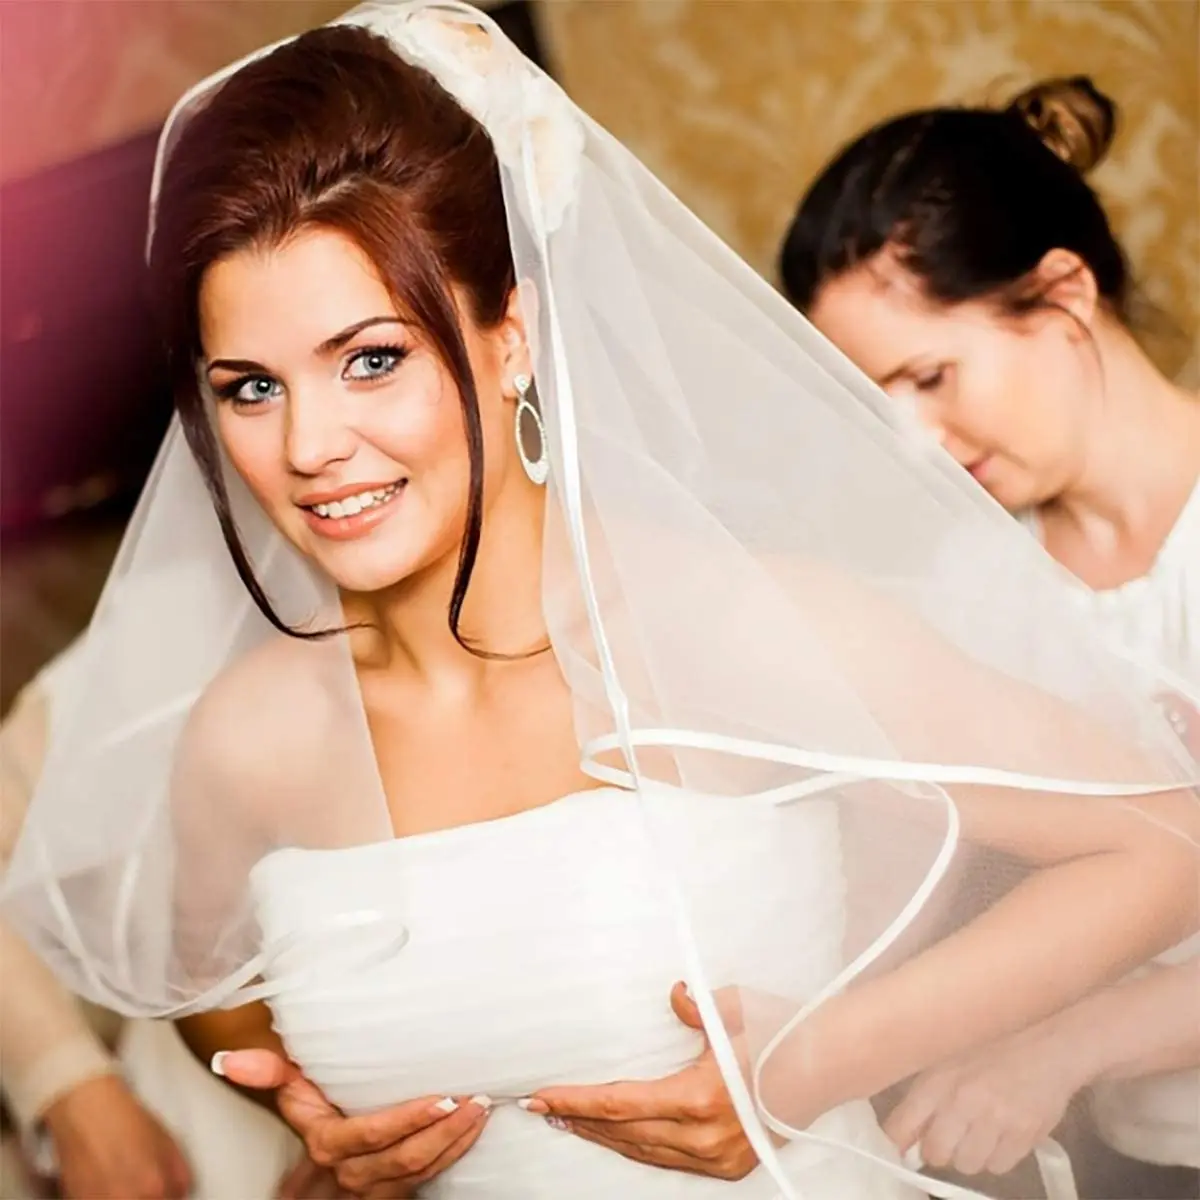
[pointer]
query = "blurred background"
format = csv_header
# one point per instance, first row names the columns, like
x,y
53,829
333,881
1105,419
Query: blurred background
x,y
735,104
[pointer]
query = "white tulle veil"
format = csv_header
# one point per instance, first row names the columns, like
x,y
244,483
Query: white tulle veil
x,y
757,583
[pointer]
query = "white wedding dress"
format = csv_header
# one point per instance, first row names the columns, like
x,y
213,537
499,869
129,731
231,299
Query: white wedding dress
x,y
540,949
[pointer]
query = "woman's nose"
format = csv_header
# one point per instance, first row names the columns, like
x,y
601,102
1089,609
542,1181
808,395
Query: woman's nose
x,y
317,434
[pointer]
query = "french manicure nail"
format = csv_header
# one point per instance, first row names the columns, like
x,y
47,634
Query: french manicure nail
x,y
484,1102
913,1159
217,1065
534,1106
557,1123
446,1106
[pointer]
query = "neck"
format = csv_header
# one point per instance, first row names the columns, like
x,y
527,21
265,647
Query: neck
x,y
502,613
1142,453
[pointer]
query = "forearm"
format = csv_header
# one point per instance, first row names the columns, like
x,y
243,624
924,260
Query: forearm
x,y
47,1047
1001,973
247,1028
1143,1026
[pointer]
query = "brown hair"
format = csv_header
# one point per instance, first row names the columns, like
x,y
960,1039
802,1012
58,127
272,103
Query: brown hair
x,y
334,130
1074,119
972,198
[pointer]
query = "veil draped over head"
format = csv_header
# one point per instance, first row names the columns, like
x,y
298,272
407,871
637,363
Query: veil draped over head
x,y
759,583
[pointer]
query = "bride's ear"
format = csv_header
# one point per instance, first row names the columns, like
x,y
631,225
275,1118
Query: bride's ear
x,y
518,328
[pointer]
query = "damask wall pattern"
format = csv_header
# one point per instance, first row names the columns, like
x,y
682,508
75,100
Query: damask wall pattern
x,y
736,104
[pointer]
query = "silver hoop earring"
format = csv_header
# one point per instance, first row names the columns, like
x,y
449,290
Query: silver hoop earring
x,y
538,469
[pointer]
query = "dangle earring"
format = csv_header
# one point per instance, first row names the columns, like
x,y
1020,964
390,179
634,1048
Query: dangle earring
x,y
538,468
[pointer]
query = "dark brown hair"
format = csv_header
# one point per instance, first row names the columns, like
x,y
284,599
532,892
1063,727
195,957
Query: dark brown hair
x,y
335,131
971,198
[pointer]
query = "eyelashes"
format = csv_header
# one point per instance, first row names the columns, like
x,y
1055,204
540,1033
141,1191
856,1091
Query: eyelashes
x,y
367,365
931,381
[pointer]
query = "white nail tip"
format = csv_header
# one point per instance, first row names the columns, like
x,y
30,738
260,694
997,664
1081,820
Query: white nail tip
x,y
524,1104
446,1106
912,1158
217,1065
484,1102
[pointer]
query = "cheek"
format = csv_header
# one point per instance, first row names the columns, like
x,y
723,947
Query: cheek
x,y
1045,400
253,445
420,425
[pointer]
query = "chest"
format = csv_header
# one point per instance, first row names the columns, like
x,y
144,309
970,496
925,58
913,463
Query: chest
x,y
456,759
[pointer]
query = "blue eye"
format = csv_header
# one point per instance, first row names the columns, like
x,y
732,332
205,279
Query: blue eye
x,y
375,362
254,389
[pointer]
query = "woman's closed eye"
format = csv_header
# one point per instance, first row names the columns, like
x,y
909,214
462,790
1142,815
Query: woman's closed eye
x,y
931,380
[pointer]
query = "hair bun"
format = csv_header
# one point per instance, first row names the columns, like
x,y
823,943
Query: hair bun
x,y
1073,118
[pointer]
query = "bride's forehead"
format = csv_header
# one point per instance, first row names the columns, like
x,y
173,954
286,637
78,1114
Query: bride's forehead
x,y
293,295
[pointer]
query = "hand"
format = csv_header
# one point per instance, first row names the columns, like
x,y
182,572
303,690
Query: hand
x,y
685,1122
988,1110
110,1148
385,1155
307,1181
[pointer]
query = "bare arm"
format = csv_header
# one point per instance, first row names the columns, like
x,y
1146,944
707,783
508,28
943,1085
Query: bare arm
x,y
1113,882
47,1046
1144,1026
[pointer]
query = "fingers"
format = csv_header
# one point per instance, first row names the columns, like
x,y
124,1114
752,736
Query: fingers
x,y
941,1139
1012,1148
610,1101
304,1107
333,1140
670,1135
728,1002
910,1118
455,1150
258,1069
307,1181
654,1156
412,1158
975,1148
718,1149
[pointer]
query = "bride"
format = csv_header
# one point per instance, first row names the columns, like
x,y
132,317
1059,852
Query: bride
x,y
528,611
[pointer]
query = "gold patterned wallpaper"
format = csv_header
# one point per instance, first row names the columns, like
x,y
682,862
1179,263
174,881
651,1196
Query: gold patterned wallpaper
x,y
735,103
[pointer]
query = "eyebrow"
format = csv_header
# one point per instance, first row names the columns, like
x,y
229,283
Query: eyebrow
x,y
328,346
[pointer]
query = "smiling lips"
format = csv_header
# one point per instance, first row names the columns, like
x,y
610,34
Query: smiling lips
x,y
350,513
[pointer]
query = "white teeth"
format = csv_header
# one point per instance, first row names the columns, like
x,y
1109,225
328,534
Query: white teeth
x,y
351,506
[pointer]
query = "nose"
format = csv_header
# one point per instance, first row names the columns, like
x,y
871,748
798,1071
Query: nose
x,y
317,432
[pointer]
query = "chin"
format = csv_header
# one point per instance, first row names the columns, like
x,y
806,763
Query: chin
x,y
364,569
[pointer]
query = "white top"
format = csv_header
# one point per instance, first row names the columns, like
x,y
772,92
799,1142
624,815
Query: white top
x,y
540,949
1157,618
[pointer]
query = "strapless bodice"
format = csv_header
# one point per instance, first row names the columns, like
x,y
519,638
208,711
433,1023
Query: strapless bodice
x,y
539,949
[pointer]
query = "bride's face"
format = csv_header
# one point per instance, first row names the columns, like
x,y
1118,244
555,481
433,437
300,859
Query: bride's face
x,y
341,417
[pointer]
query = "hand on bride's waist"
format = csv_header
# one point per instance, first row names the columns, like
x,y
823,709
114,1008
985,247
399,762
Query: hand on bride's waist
x,y
384,1155
683,1122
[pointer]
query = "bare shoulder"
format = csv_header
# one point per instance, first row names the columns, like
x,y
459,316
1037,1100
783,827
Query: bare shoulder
x,y
281,718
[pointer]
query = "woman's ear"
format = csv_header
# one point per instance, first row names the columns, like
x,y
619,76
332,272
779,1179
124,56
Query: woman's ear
x,y
519,317
1065,282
